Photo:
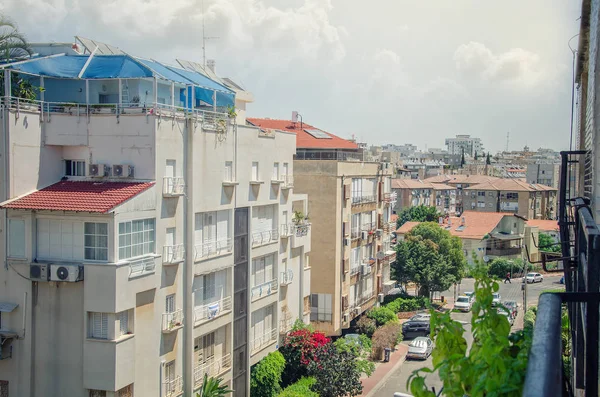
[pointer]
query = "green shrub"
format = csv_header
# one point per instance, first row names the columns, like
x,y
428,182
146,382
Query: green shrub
x,y
529,317
388,335
366,326
408,304
302,388
382,315
266,375
365,342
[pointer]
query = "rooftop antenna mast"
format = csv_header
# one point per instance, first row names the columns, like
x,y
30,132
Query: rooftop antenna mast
x,y
204,38
507,139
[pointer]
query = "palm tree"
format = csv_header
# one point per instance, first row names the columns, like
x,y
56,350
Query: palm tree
x,y
212,387
13,44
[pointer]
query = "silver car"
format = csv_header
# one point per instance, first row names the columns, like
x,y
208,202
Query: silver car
x,y
420,348
504,312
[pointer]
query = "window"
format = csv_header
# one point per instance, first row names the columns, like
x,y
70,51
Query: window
x,y
212,231
255,171
481,194
285,169
97,393
320,307
263,270
16,238
491,194
60,239
170,303
98,325
208,343
275,176
96,241
74,168
136,238
228,176
123,319
512,196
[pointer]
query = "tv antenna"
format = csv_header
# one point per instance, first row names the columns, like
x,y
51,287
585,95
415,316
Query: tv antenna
x,y
507,139
204,37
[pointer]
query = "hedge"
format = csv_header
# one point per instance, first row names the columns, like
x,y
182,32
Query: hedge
x,y
408,304
265,375
529,317
382,315
302,388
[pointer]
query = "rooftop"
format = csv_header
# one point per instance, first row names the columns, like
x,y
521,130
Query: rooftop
x,y
307,136
544,225
510,184
79,196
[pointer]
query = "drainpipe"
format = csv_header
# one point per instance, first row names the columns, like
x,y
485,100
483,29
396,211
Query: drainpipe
x,y
343,247
5,159
188,273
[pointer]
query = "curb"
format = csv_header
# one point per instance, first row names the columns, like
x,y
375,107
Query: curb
x,y
384,379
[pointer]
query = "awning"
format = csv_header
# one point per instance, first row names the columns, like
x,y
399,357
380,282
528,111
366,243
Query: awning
x,y
7,307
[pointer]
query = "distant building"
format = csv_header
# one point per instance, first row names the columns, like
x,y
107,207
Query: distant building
x,y
466,143
544,174
412,193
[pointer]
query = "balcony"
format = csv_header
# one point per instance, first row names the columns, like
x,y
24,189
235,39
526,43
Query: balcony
x,y
172,321
288,182
286,230
368,227
173,254
364,199
355,233
287,277
141,266
265,237
212,310
286,323
301,236
214,247
267,338
212,368
214,122
355,269
264,289
497,251
389,197
173,186
173,387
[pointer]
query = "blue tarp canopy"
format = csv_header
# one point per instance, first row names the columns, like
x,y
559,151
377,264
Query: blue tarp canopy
x,y
225,97
61,67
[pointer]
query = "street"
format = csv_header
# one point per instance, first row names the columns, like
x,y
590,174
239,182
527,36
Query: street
x,y
397,381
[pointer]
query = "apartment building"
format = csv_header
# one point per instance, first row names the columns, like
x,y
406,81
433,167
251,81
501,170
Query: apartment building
x,y
350,210
531,201
147,241
460,182
543,173
464,144
412,193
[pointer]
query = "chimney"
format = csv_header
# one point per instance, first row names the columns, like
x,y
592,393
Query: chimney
x,y
212,65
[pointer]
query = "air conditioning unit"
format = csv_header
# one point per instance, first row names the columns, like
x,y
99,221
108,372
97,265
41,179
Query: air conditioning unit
x,y
380,298
346,317
357,309
365,269
123,171
346,241
379,232
66,273
99,170
38,272
364,235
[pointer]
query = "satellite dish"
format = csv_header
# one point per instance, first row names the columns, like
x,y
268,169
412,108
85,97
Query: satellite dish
x,y
380,255
486,258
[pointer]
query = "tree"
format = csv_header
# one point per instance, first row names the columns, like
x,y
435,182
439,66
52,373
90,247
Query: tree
x,y
462,158
475,157
212,387
298,349
488,161
430,257
265,376
360,350
545,243
497,360
13,45
420,213
336,372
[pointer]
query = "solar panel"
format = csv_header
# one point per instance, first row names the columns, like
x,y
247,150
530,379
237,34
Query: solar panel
x,y
318,134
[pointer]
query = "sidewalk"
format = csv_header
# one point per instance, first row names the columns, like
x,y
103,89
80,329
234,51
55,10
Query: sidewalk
x,y
383,371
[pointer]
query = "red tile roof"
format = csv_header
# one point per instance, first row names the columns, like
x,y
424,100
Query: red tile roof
x,y
304,140
544,225
79,196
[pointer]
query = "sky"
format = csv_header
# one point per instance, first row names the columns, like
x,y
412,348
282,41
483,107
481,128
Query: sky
x,y
383,71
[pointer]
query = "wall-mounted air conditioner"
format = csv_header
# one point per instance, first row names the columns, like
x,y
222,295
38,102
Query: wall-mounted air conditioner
x,y
99,170
364,235
66,273
346,241
346,317
38,272
123,171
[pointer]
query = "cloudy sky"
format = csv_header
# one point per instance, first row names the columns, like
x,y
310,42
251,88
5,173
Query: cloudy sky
x,y
385,71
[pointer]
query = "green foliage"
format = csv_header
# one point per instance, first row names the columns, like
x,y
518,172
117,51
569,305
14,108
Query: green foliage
x,y
265,377
13,45
408,304
387,336
366,326
365,341
336,372
430,257
545,243
302,388
475,157
299,325
212,387
529,317
499,267
359,351
487,159
382,315
420,213
495,364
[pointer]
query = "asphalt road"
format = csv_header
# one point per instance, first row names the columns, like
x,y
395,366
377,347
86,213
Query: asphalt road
x,y
397,381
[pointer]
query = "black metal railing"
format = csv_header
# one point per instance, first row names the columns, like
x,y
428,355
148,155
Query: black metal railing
x,y
580,248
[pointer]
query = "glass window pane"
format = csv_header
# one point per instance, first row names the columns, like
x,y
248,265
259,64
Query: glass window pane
x,y
121,228
102,228
102,241
90,228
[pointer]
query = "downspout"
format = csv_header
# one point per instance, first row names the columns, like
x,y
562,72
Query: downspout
x,y
343,247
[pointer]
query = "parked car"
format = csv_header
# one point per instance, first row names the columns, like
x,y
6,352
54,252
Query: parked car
x,y
420,317
471,295
416,328
463,303
496,299
533,278
513,307
503,311
420,348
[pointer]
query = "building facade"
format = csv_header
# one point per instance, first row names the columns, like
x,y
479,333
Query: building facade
x,y
544,174
145,244
466,144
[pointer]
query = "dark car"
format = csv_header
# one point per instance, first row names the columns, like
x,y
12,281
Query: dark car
x,y
415,328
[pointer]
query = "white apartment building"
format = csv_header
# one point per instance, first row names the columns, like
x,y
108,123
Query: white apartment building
x,y
148,236
466,143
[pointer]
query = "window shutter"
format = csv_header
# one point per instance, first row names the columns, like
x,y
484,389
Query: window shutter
x,y
104,329
222,225
123,322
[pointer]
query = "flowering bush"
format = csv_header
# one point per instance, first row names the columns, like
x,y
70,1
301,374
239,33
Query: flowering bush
x,y
299,348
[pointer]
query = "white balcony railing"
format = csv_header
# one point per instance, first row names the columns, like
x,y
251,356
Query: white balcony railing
x,y
173,253
367,226
286,230
286,323
287,277
212,310
301,230
364,198
212,368
213,247
173,387
288,181
264,340
354,269
264,289
172,321
141,266
173,186
355,233
264,237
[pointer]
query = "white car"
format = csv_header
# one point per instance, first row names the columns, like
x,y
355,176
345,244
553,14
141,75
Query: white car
x,y
496,299
533,278
463,303
470,295
504,312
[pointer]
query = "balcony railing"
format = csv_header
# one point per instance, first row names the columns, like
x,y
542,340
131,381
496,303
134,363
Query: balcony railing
x,y
355,269
355,233
301,230
264,237
173,186
212,247
288,181
172,321
173,387
287,277
286,230
264,340
496,251
141,266
212,368
286,323
368,226
173,253
264,289
389,197
212,310
363,199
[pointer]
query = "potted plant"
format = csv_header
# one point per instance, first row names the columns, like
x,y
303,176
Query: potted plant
x,y
231,112
298,217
